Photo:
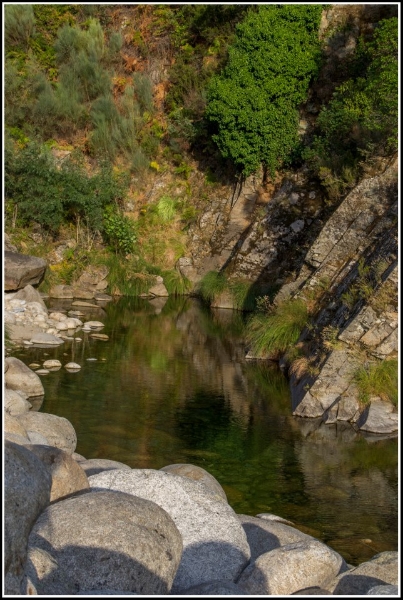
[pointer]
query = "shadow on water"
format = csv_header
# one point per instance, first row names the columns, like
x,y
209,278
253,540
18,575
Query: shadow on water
x,y
171,385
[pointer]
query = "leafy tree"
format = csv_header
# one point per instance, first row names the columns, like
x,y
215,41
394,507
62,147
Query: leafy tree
x,y
254,102
361,120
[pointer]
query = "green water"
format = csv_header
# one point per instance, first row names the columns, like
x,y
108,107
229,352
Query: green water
x,y
171,385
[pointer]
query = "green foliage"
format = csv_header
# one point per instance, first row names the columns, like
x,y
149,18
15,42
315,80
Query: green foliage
x,y
119,231
378,379
362,117
211,285
19,24
254,102
50,194
273,332
176,284
125,276
166,208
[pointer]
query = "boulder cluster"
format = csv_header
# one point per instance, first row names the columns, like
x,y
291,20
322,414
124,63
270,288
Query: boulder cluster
x,y
99,527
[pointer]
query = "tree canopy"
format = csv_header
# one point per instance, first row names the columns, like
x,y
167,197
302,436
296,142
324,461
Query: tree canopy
x,y
253,102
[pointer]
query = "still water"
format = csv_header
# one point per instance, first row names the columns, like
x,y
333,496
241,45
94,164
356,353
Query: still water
x,y
171,385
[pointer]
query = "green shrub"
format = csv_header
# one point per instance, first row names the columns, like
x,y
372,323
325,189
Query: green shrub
x,y
19,24
211,285
378,379
272,333
254,102
119,231
166,208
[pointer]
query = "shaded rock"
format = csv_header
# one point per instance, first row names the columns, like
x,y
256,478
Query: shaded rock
x,y
290,568
21,270
93,466
26,494
106,593
83,293
92,276
265,535
67,475
219,587
42,566
78,457
15,403
197,474
382,569
58,430
379,417
30,294
22,378
384,590
61,291
119,541
214,543
17,439
312,591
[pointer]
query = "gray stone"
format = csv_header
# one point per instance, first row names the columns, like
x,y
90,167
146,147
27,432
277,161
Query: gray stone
x,y
384,590
43,566
197,474
30,294
58,430
266,535
26,494
67,475
106,593
22,378
14,403
290,568
379,417
46,339
93,466
61,291
219,587
382,569
158,289
13,425
271,517
21,270
108,540
298,225
78,457
72,366
17,439
312,591
37,438
214,543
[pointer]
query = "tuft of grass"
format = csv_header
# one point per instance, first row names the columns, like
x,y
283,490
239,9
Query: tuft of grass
x,y
274,332
211,285
378,379
176,284
243,294
124,278
166,208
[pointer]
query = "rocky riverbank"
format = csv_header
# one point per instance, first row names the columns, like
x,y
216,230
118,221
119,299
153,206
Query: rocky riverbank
x,y
75,526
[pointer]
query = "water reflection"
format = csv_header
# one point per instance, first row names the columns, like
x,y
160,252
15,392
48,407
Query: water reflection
x,y
171,386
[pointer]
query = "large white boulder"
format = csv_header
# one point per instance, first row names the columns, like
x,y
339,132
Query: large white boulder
x,y
214,543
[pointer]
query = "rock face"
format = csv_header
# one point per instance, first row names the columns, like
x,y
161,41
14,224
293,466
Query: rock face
x,y
290,568
379,417
106,540
57,430
26,494
214,543
21,270
22,378
67,475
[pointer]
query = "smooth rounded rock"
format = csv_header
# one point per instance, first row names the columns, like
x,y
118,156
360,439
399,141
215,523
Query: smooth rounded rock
x,y
46,339
26,494
197,474
266,535
93,466
290,568
220,587
15,403
382,569
37,438
67,475
383,590
58,430
93,324
72,366
108,540
52,364
214,543
22,378
14,426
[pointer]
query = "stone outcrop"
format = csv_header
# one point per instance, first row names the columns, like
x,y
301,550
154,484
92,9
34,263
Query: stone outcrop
x,y
20,377
21,270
